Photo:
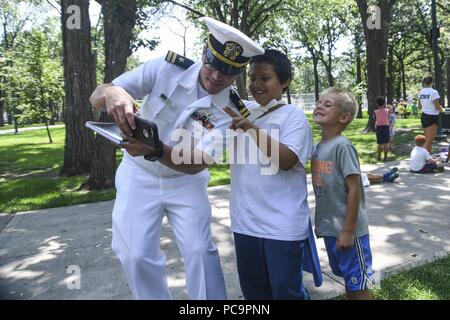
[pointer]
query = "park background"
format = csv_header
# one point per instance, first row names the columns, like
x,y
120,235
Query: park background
x,y
52,55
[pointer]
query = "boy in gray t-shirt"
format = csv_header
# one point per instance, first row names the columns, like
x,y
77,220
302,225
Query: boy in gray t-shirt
x,y
340,216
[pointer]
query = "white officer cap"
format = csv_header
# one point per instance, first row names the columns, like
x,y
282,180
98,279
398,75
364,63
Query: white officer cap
x,y
229,50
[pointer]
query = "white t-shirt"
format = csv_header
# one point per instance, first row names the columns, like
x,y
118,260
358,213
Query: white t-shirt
x,y
427,96
272,206
419,157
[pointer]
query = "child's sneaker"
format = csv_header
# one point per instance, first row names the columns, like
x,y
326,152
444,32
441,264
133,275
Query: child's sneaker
x,y
393,170
393,176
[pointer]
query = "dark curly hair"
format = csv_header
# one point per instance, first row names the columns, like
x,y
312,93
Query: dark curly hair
x,y
280,63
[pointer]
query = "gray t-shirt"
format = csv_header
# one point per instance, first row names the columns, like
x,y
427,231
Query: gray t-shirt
x,y
332,162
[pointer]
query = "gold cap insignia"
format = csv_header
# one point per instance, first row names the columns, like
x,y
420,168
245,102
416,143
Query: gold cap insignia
x,y
232,50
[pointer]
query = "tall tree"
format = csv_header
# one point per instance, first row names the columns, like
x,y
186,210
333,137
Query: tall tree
x,y
376,31
119,21
12,21
79,79
249,16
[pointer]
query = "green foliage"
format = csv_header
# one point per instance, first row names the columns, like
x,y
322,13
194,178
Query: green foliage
x,y
37,77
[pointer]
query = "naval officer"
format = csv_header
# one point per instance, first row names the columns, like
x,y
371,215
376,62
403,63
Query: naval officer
x,y
178,94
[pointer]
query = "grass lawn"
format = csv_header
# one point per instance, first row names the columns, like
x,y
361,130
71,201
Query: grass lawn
x,y
11,127
428,282
29,166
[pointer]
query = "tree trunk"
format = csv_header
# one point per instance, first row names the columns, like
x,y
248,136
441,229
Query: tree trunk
x,y
376,47
448,80
2,108
398,88
316,76
48,132
241,86
9,116
403,73
79,82
390,75
358,73
119,20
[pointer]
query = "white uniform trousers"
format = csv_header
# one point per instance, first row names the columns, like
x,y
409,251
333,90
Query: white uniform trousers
x,y
141,201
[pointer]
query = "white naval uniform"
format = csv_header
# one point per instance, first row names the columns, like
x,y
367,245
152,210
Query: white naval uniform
x,y
146,190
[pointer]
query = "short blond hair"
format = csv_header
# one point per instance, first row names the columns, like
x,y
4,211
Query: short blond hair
x,y
348,102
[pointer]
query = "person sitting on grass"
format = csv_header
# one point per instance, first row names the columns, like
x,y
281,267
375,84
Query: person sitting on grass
x,y
421,160
374,178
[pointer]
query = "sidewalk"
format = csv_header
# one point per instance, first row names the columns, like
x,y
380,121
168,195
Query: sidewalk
x,y
40,251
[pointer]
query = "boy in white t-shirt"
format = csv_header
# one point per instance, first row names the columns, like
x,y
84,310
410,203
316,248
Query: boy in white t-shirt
x,y
269,209
421,160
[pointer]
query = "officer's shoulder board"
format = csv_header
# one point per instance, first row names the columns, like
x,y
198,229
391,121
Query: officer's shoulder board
x,y
185,63
178,60
237,101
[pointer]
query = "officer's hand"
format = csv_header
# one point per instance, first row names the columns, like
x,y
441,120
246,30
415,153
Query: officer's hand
x,y
121,107
238,122
136,148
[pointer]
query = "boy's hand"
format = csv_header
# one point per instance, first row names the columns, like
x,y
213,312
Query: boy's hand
x,y
238,122
345,241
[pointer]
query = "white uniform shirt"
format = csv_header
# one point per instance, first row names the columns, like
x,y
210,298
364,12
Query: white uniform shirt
x,y
427,96
180,86
273,206
419,157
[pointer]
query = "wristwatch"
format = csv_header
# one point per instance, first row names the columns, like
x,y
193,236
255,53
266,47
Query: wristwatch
x,y
158,153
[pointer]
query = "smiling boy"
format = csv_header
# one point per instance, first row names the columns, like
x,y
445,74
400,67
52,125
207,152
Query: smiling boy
x,y
340,216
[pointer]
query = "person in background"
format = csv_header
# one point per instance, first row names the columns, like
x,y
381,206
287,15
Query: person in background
x,y
374,178
421,160
392,120
430,106
382,128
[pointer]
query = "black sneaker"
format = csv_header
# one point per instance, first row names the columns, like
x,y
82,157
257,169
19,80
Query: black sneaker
x,y
393,176
393,170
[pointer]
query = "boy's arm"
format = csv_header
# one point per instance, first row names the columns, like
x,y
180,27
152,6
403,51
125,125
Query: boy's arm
x,y
286,158
346,238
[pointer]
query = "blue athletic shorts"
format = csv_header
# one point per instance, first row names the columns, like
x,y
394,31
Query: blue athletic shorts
x,y
354,265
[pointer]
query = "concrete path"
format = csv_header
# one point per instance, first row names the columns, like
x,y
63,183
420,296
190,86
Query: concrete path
x,y
43,252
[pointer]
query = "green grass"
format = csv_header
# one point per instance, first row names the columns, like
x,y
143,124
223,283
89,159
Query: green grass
x,y
11,127
428,282
29,179
29,166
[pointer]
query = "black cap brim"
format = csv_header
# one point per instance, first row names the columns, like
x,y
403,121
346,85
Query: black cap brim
x,y
221,66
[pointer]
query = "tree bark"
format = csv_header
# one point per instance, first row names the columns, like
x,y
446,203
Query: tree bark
x,y
2,108
79,80
448,80
390,75
119,20
316,75
358,72
376,47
